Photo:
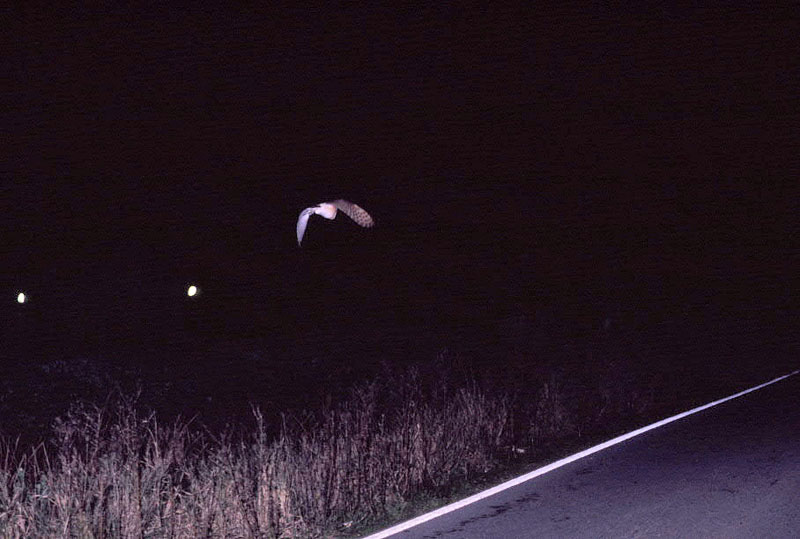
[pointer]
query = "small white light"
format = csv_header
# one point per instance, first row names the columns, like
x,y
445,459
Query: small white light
x,y
192,291
21,298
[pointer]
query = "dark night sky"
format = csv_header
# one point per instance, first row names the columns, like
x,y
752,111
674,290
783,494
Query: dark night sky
x,y
587,160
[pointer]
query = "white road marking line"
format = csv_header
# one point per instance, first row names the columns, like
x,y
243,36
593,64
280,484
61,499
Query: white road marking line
x,y
559,463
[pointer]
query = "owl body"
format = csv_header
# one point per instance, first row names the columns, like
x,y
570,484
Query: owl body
x,y
327,210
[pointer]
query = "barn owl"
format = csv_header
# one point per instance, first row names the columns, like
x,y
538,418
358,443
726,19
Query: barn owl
x,y
328,210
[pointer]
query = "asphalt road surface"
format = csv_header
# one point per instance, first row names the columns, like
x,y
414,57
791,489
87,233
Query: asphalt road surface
x,y
729,471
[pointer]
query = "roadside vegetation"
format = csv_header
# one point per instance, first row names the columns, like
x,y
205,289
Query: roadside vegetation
x,y
410,436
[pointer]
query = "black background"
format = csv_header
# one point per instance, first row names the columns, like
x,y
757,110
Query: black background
x,y
552,167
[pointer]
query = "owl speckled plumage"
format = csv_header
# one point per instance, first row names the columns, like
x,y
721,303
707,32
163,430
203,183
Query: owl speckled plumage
x,y
328,210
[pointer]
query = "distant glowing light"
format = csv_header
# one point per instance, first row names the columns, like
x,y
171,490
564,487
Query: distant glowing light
x,y
21,298
192,291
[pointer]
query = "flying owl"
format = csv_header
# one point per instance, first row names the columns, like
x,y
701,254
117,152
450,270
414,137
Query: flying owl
x,y
328,210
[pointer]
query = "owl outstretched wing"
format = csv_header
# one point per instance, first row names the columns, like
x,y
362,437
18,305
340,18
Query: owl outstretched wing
x,y
302,223
354,212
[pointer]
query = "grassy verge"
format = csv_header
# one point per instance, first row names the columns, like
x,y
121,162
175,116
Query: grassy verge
x,y
401,444
113,472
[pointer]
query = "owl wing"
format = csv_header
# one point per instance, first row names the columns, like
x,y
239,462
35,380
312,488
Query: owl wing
x,y
302,223
354,212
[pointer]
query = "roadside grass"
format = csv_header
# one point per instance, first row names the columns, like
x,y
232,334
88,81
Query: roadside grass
x,y
408,441
113,472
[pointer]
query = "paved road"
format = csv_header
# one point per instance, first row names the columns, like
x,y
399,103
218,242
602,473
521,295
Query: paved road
x,y
729,471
